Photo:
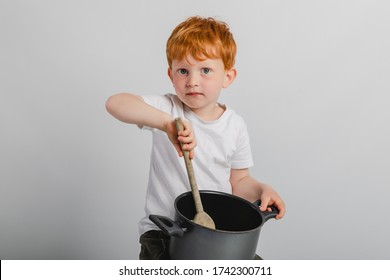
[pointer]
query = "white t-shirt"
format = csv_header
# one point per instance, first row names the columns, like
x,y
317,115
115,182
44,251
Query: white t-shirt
x,y
222,144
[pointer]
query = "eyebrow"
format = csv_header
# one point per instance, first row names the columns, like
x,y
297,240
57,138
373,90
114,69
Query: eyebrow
x,y
201,64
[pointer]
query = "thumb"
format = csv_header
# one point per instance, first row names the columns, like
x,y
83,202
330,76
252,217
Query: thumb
x,y
178,149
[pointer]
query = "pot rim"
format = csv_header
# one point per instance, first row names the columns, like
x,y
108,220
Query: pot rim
x,y
256,208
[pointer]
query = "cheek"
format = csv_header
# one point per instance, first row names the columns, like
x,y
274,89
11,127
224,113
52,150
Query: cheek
x,y
177,82
215,84
178,78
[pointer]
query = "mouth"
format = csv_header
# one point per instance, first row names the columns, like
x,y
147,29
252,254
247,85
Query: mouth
x,y
194,94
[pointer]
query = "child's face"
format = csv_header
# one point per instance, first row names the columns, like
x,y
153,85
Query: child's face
x,y
199,83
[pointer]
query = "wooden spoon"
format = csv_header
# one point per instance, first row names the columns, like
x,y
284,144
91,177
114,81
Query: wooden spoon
x,y
201,217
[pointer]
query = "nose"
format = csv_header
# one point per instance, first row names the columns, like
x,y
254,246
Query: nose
x,y
192,80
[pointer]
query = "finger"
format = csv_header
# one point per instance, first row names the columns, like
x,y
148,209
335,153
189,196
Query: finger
x,y
185,140
192,154
264,203
282,209
184,133
186,129
188,143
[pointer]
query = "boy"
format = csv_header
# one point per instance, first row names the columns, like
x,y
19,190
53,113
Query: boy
x,y
201,55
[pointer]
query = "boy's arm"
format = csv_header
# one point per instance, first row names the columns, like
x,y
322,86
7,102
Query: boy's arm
x,y
245,186
132,109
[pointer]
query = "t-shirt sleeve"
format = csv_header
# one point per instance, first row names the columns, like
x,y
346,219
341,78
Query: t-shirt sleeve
x,y
242,157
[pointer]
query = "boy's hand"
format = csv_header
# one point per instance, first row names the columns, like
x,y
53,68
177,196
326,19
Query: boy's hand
x,y
270,197
186,137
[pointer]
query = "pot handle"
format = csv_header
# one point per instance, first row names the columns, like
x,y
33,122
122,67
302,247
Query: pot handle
x,y
168,226
267,214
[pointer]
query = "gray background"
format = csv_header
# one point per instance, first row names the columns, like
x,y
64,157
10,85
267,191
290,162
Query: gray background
x,y
313,85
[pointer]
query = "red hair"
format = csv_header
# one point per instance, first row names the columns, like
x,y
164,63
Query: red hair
x,y
202,38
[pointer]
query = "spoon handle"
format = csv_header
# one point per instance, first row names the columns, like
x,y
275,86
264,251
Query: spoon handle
x,y
190,171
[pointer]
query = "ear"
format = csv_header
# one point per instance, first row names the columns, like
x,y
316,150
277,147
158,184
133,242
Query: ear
x,y
230,75
170,74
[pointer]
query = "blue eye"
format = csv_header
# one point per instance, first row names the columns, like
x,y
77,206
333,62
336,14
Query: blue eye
x,y
206,70
182,71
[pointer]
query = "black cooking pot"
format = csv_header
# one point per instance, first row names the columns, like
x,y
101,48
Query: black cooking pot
x,y
238,223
